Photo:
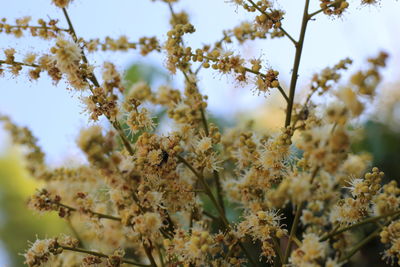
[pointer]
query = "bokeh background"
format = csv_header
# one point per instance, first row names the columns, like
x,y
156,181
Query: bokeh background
x,y
55,114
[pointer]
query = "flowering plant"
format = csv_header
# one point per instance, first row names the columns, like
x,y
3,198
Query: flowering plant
x,y
142,198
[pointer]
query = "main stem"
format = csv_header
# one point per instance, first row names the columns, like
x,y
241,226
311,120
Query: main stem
x,y
296,64
205,123
96,83
217,179
221,213
293,230
206,130
292,90
296,221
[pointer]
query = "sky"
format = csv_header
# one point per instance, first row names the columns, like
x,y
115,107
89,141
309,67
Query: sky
x,y
55,115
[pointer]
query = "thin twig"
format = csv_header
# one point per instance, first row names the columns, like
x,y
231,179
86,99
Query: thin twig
x,y
215,173
366,221
293,230
102,255
97,214
254,72
296,221
206,130
230,251
263,75
278,249
216,205
360,244
210,215
24,27
19,63
269,17
207,189
365,240
147,250
323,9
160,256
96,83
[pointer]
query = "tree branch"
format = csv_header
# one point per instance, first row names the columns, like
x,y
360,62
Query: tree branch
x,y
102,255
296,64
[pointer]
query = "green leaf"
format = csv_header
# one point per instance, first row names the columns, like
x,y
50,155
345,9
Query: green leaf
x,y
143,72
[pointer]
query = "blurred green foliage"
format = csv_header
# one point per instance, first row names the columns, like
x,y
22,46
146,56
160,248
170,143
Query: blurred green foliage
x,y
18,224
144,72
384,144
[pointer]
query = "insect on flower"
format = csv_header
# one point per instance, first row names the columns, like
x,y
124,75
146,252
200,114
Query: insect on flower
x,y
164,158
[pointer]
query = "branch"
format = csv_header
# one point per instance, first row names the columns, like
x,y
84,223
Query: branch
x,y
251,71
205,124
365,241
97,214
206,213
24,27
96,83
102,255
216,205
115,124
296,64
293,231
263,75
19,63
366,221
207,189
215,173
110,217
269,17
360,244
296,220
278,249
323,9
147,250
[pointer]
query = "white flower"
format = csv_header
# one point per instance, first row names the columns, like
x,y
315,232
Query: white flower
x,y
310,250
40,252
68,55
204,144
357,186
333,263
148,223
141,120
300,188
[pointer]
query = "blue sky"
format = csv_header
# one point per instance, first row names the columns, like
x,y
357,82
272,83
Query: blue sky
x,y
54,114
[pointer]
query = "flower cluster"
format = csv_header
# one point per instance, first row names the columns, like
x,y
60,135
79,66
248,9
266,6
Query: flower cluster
x,y
263,226
147,196
41,251
146,44
391,235
45,30
353,209
194,248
